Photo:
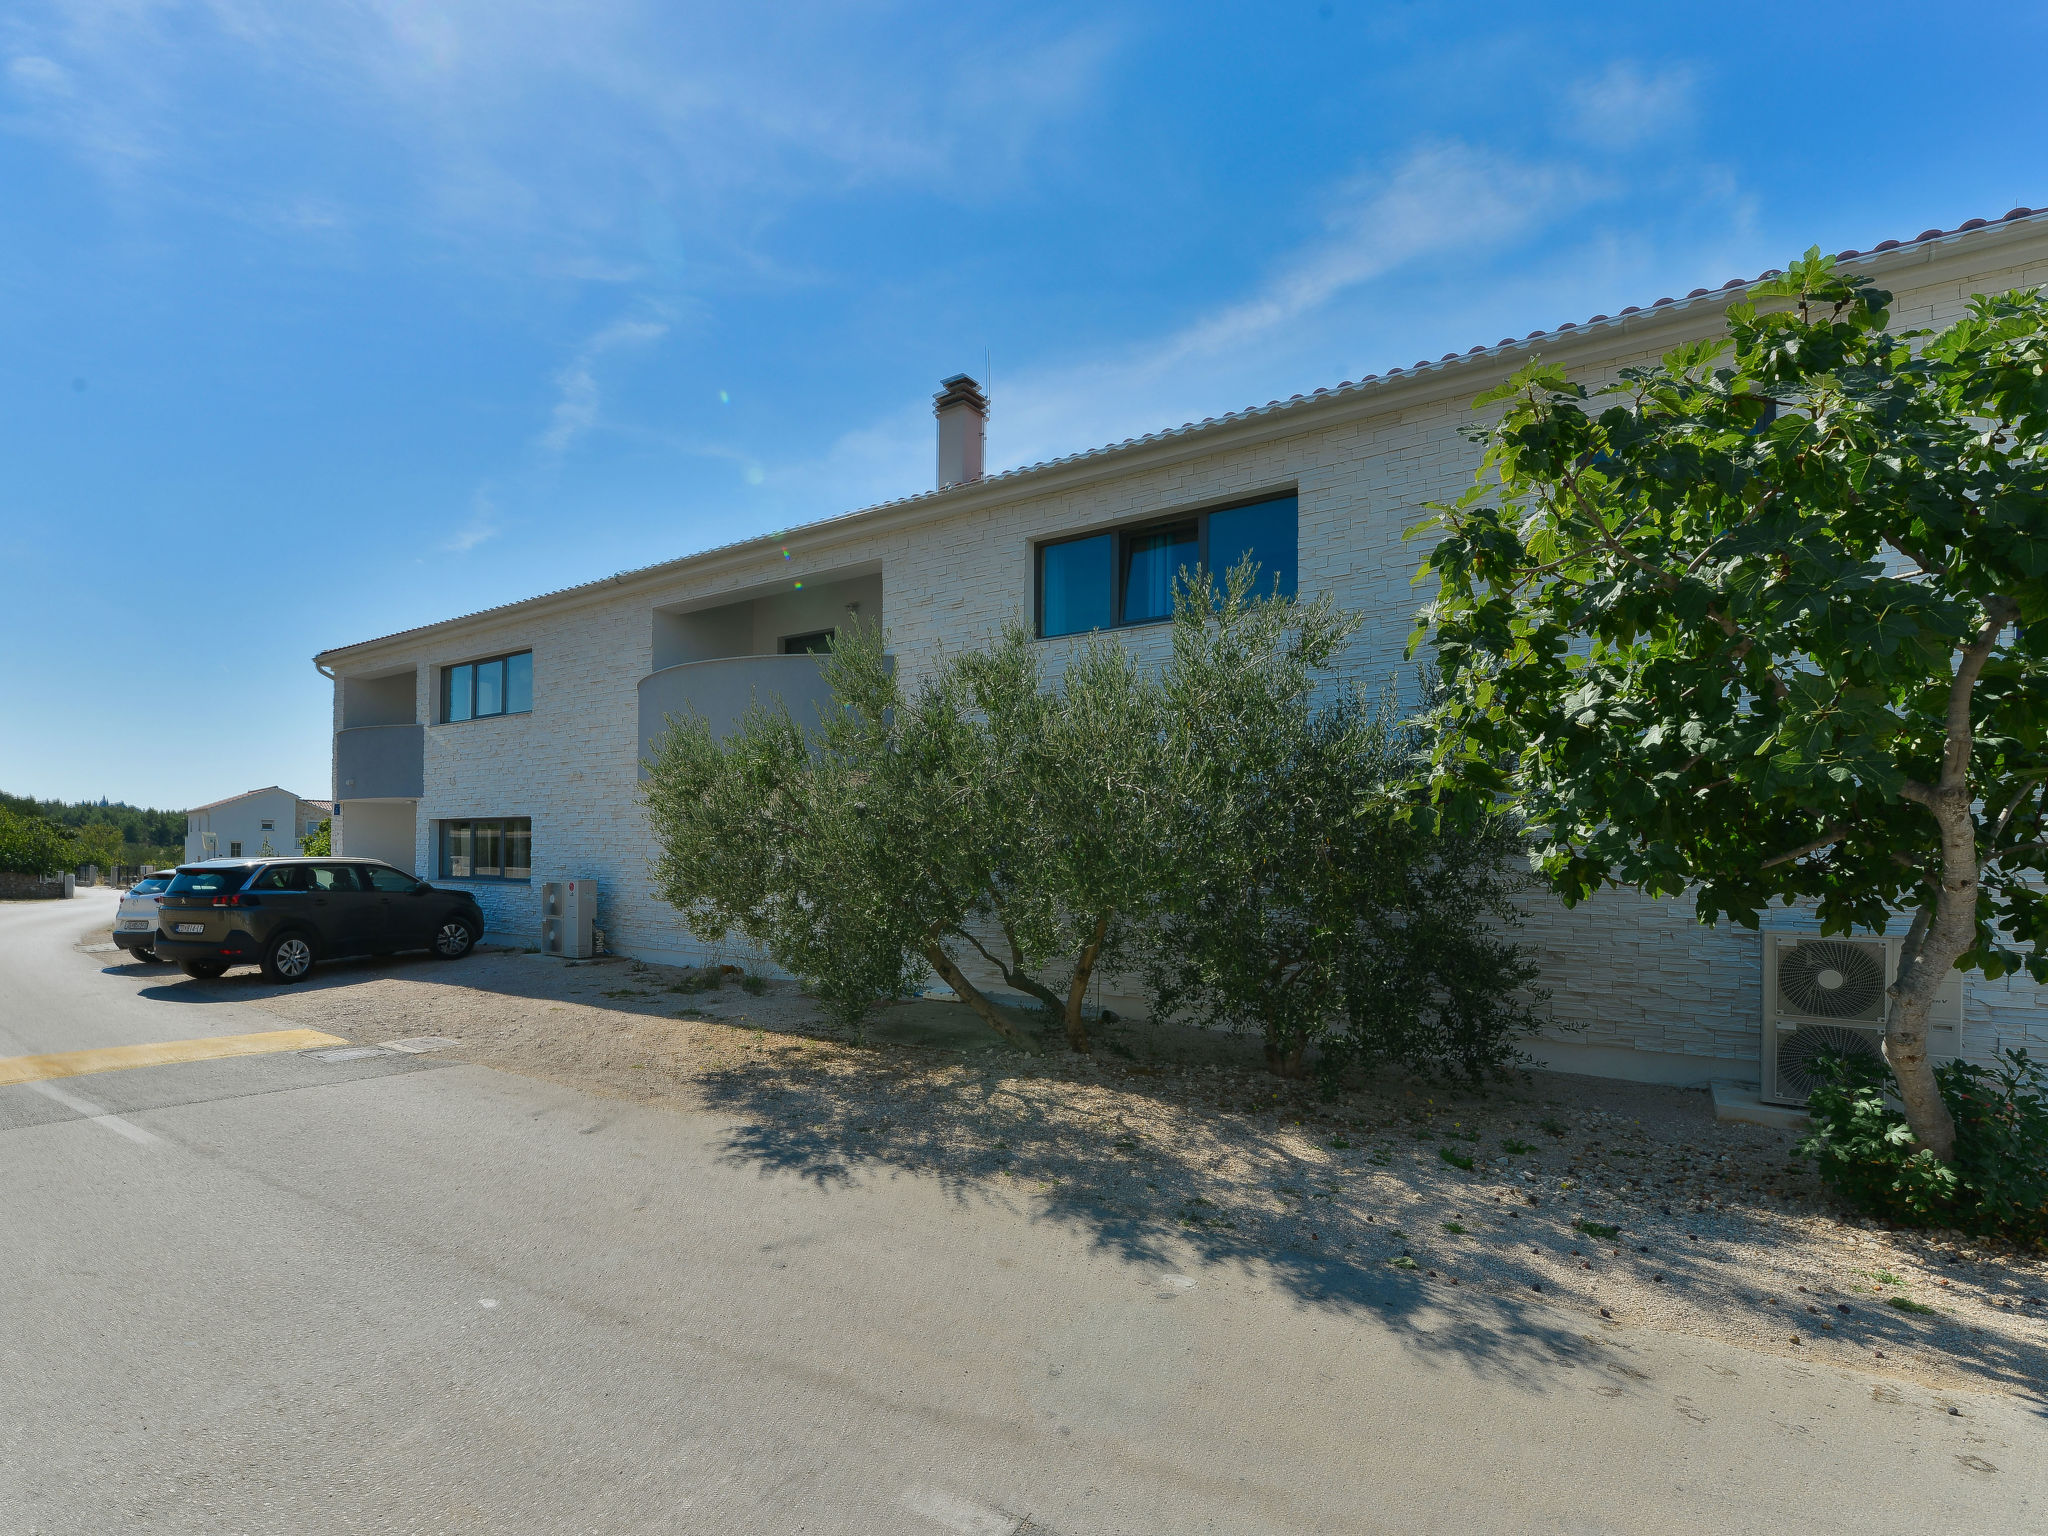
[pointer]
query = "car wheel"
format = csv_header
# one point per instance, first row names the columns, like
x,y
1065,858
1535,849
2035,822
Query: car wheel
x,y
287,958
203,970
453,939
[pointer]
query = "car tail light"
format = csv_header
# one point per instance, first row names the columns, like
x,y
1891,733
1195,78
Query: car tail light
x,y
237,901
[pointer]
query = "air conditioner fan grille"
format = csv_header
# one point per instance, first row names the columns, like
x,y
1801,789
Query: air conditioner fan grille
x,y
1829,979
1800,1049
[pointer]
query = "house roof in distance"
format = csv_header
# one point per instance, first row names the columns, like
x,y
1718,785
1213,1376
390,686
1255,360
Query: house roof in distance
x,y
247,794
1884,253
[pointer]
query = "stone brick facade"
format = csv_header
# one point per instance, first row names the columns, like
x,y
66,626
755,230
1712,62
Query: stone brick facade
x,y
1645,989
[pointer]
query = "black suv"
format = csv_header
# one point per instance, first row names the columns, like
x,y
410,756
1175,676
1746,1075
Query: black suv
x,y
285,914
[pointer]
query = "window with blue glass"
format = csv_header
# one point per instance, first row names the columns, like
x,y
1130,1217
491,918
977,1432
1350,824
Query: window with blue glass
x,y
1077,585
502,685
1128,575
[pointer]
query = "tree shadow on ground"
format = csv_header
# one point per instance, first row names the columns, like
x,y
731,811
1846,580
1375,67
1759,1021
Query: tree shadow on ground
x,y
1171,1147
1349,1206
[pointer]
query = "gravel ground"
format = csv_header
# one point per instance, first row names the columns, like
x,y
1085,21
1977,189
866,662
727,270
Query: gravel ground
x,y
1624,1203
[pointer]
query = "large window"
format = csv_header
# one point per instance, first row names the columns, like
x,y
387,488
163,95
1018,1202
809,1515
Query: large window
x,y
1127,576
490,848
502,685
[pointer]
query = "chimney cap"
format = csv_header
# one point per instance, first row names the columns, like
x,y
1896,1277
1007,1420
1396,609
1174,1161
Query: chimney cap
x,y
960,389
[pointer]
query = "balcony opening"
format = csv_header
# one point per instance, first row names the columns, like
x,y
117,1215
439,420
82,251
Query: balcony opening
x,y
786,619
388,699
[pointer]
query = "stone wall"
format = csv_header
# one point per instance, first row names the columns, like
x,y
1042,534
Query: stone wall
x,y
15,887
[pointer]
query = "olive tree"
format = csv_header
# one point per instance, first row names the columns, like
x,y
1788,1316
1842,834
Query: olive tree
x,y
1302,898
980,812
1071,824
779,838
1767,621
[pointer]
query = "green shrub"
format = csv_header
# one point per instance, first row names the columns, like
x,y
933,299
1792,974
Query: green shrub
x,y
1996,1187
30,845
1606,1229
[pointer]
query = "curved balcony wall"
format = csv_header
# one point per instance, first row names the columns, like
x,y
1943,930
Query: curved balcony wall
x,y
380,762
722,689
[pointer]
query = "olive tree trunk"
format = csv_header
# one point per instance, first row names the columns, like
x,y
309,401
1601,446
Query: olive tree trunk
x,y
935,955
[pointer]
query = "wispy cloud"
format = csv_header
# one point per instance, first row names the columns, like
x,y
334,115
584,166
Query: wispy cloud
x,y
1627,104
1442,197
555,125
578,399
483,524
1441,203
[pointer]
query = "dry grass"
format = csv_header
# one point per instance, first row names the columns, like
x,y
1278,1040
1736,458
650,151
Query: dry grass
x,y
1166,1139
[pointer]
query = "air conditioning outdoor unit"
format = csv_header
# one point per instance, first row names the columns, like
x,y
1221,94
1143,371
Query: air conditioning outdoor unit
x,y
1830,995
568,914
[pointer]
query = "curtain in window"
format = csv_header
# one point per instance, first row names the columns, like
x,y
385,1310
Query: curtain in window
x,y
1153,563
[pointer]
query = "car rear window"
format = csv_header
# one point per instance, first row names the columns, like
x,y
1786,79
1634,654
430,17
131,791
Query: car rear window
x,y
149,886
207,882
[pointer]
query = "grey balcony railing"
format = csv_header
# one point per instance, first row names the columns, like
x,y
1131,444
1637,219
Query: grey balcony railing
x,y
721,690
380,762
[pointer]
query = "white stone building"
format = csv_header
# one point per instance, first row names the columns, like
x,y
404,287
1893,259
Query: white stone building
x,y
255,823
502,748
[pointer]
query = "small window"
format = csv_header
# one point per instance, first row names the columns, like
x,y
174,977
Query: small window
x,y
817,643
234,850
487,848
478,690
1128,575
270,826
458,693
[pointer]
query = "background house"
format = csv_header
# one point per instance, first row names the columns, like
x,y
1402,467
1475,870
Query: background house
x,y
259,822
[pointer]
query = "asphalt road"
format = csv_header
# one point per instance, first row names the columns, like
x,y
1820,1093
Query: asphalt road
x,y
392,1294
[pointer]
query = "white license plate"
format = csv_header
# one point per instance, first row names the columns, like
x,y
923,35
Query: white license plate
x,y
134,922
191,927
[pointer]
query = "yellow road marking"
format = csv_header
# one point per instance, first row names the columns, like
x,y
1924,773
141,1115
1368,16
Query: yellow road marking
x,y
118,1058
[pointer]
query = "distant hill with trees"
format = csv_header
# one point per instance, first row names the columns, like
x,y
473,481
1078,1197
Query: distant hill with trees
x,y
141,836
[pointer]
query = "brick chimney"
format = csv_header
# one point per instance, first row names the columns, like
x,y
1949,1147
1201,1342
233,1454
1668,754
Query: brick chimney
x,y
962,410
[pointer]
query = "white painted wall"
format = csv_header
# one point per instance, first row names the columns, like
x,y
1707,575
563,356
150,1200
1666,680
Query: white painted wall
x,y
241,820
1639,987
379,829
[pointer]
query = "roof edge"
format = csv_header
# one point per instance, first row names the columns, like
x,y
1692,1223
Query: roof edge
x,y
1370,395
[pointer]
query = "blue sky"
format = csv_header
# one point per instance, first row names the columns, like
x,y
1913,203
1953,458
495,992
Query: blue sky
x,y
324,320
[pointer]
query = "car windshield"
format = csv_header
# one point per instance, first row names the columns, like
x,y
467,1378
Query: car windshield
x,y
149,885
208,882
